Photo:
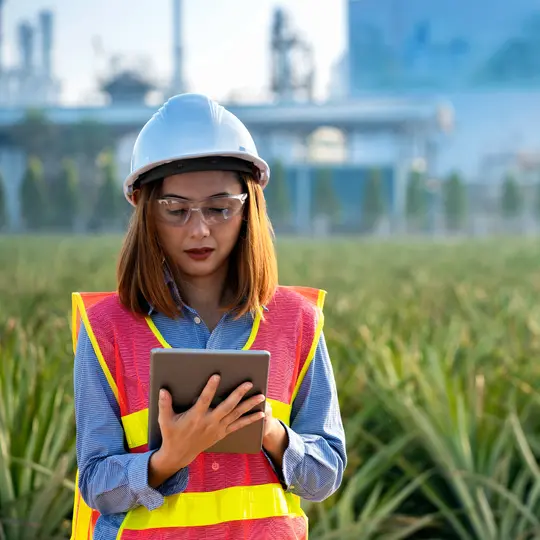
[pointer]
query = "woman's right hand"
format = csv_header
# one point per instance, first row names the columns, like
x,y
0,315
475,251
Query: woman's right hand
x,y
186,435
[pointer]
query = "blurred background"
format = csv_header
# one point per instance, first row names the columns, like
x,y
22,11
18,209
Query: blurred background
x,y
404,142
378,117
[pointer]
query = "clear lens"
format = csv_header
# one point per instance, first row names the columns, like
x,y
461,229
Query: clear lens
x,y
214,211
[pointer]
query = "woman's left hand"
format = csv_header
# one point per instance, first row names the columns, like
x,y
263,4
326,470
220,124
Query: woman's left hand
x,y
275,438
270,422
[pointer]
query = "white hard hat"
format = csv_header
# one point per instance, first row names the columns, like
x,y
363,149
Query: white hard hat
x,y
192,132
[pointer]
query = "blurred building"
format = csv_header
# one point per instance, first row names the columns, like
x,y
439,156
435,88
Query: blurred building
x,y
31,81
483,56
127,88
448,45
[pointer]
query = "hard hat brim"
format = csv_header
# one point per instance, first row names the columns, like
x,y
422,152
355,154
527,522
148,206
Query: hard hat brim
x,y
261,165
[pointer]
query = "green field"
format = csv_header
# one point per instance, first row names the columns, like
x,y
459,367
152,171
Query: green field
x,y
435,349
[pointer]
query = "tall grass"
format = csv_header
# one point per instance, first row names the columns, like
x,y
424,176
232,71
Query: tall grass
x,y
36,436
434,350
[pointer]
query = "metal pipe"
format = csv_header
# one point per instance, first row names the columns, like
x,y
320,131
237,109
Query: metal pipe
x,y
46,25
26,47
2,35
177,82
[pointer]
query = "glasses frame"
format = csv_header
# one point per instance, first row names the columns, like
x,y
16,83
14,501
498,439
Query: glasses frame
x,y
192,205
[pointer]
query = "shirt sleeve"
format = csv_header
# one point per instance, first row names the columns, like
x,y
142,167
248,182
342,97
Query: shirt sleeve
x,y
316,457
111,480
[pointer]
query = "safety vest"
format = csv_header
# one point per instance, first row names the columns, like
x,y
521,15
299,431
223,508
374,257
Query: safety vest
x,y
235,496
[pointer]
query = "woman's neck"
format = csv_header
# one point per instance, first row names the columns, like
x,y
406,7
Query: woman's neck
x,y
206,295
202,293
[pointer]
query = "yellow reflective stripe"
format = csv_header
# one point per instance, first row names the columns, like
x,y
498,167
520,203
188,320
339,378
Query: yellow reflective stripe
x,y
74,334
213,507
281,411
82,515
78,302
136,428
136,424
314,343
254,330
157,333
248,345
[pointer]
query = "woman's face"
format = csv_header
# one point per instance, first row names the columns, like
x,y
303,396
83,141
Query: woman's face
x,y
202,245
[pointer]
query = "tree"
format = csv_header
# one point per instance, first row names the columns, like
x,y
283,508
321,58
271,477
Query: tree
x,y
34,201
277,196
3,205
108,210
373,206
87,137
511,198
454,202
325,200
65,196
36,134
415,204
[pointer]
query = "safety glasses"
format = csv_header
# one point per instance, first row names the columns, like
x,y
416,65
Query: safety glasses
x,y
213,210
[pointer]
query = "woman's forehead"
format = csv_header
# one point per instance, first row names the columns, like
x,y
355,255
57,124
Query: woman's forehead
x,y
200,184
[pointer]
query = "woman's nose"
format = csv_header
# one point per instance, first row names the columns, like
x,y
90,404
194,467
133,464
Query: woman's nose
x,y
197,226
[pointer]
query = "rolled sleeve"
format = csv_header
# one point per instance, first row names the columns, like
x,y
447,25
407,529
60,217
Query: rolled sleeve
x,y
111,480
293,457
146,495
315,458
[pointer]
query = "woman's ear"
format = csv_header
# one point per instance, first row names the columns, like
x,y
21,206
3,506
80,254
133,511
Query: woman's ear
x,y
136,195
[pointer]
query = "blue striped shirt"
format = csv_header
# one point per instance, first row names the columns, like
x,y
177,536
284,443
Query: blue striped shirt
x,y
113,481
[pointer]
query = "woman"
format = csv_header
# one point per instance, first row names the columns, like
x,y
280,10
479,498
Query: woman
x,y
198,270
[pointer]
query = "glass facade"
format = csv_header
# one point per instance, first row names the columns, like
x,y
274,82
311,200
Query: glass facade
x,y
443,45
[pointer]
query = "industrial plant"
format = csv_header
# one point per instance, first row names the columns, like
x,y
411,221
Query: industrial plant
x,y
420,87
30,82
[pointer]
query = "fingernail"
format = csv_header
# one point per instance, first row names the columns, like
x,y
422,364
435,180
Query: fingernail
x,y
162,394
215,378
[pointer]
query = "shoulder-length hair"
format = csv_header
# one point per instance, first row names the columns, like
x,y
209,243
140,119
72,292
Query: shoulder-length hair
x,y
253,272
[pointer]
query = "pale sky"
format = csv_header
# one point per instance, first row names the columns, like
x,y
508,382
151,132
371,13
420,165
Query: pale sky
x,y
226,42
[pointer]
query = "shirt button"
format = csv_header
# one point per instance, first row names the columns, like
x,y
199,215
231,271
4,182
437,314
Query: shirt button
x,y
197,320
215,466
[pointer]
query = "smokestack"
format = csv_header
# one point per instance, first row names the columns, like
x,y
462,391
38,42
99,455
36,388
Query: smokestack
x,y
1,35
177,82
26,47
46,25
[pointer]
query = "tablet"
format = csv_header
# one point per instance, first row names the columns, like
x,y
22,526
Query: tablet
x,y
185,372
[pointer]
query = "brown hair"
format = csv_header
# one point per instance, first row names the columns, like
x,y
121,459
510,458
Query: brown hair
x,y
253,267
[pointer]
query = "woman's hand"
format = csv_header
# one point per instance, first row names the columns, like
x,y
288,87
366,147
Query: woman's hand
x,y
275,438
188,434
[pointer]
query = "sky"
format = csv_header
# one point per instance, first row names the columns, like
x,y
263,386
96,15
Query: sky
x,y
226,42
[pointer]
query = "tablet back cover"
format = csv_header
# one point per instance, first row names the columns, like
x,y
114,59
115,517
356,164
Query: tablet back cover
x,y
185,372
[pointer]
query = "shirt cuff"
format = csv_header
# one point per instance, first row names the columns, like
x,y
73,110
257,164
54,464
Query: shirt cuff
x,y
175,484
138,482
278,473
292,458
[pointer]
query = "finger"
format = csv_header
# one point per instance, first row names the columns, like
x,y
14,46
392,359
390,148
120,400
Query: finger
x,y
243,408
165,410
244,421
207,395
228,405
